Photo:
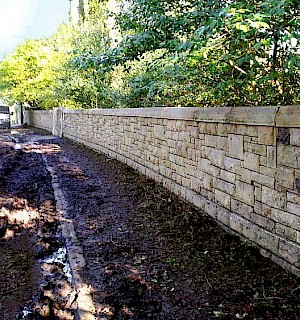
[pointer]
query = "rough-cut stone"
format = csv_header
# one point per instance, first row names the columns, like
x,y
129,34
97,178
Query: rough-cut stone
x,y
241,208
288,116
222,198
286,232
297,184
289,252
245,193
236,146
293,197
273,198
239,165
256,148
293,208
271,157
251,161
295,137
228,176
288,156
266,136
285,177
232,165
283,136
285,218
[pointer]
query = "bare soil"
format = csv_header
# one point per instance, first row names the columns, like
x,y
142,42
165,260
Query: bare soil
x,y
149,254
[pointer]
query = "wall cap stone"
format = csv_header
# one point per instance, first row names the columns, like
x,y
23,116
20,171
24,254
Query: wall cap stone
x,y
288,116
285,116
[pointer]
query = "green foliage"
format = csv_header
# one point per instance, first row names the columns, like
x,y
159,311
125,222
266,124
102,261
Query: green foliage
x,y
25,77
163,53
205,53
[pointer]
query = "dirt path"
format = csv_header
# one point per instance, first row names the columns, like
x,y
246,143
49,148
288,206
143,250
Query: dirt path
x,y
149,255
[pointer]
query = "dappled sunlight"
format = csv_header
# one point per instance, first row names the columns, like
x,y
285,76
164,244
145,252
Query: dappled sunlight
x,y
35,147
104,310
23,218
27,211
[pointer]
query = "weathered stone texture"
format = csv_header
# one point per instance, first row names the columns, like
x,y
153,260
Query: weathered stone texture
x,y
239,166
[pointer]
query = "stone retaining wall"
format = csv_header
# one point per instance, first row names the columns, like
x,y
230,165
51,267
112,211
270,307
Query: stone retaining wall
x,y
42,119
239,165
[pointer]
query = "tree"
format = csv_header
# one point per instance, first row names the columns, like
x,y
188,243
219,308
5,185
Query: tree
x,y
27,74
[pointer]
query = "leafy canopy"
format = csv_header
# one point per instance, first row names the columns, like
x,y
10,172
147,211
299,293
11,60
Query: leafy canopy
x,y
143,53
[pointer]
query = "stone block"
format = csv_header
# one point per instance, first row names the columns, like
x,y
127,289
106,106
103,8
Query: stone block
x,y
271,157
210,141
293,208
190,170
223,216
238,223
251,231
206,151
245,175
222,198
159,131
262,179
207,182
191,154
288,116
222,143
285,218
258,193
273,198
184,136
286,232
231,128
211,209
212,128
217,157
295,137
245,193
203,163
253,116
236,146
288,156
251,161
290,252
268,240
293,197
266,136
228,176
199,202
222,129
202,127
285,177
195,184
270,172
241,208
256,148
232,165
224,186
262,221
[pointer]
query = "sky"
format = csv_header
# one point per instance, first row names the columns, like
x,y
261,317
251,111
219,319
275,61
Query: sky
x,y
29,19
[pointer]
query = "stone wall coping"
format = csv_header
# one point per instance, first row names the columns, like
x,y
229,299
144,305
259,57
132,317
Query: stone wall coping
x,y
42,111
288,116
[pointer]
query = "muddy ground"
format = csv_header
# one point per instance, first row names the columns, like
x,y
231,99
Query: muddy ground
x,y
149,254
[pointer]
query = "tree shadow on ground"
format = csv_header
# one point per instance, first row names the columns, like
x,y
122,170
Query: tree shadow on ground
x,y
28,234
151,255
